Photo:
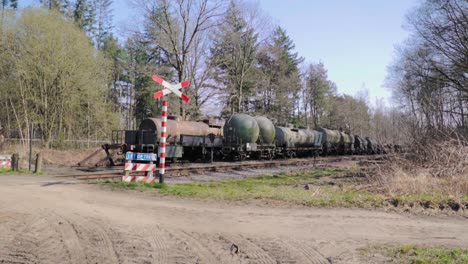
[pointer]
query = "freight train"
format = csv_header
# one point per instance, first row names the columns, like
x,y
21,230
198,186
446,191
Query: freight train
x,y
243,137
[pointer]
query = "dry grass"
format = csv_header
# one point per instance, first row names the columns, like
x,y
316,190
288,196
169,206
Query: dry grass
x,y
437,168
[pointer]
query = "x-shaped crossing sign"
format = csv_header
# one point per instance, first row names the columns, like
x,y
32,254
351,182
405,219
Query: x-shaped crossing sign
x,y
170,88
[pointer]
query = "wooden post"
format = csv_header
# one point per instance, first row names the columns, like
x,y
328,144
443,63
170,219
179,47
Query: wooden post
x,y
38,167
15,162
31,136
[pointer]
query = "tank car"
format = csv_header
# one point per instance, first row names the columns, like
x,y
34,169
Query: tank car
x,y
241,132
360,145
184,139
292,142
265,142
346,145
372,147
331,140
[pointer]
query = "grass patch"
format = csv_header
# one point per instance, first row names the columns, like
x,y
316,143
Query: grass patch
x,y
5,170
9,171
287,187
421,254
311,188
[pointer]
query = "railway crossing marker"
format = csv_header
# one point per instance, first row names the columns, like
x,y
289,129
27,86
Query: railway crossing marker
x,y
168,88
132,164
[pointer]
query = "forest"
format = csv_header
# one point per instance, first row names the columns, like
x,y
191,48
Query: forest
x,y
65,73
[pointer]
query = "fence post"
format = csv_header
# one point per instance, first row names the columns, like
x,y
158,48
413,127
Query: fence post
x,y
15,162
31,136
38,167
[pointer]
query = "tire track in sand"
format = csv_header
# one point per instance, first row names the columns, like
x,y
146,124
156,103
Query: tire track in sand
x,y
160,243
248,251
19,248
132,244
308,251
39,241
92,238
199,252
291,254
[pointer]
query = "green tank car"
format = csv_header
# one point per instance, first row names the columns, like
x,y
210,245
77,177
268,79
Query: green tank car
x,y
267,130
241,129
331,140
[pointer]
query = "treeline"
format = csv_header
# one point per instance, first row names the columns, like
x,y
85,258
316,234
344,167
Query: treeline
x,y
52,78
429,78
63,72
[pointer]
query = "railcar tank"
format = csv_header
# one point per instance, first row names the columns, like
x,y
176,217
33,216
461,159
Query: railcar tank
x,y
175,129
284,137
371,146
331,140
241,133
267,130
292,142
347,143
360,145
305,138
185,139
241,129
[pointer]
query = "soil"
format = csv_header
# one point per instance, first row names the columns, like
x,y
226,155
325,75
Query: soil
x,y
52,220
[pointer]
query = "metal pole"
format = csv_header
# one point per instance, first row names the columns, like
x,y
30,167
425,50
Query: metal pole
x,y
31,135
162,146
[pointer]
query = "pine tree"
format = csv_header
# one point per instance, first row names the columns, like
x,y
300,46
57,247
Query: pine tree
x,y
53,4
280,73
233,58
13,4
79,13
103,21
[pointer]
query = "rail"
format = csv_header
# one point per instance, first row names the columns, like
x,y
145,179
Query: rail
x,y
181,170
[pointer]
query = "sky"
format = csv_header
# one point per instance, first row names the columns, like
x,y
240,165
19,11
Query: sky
x,y
355,40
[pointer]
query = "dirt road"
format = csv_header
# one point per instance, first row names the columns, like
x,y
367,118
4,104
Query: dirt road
x,y
46,220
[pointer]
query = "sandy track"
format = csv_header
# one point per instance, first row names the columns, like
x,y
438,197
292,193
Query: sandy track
x,y
43,220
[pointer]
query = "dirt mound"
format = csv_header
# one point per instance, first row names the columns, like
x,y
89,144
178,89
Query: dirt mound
x,y
58,157
71,157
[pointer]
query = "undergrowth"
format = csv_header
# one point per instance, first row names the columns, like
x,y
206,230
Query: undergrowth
x,y
439,168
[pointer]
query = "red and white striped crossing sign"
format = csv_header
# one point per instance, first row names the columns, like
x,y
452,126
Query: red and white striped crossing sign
x,y
168,88
174,88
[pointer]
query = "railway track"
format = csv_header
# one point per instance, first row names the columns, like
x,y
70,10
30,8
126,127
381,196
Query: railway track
x,y
187,169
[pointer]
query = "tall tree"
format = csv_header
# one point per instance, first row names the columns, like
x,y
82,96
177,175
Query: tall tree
x,y
279,65
103,21
429,78
233,59
202,91
143,60
172,26
84,15
317,93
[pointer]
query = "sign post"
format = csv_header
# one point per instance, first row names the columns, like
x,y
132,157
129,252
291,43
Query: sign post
x,y
168,88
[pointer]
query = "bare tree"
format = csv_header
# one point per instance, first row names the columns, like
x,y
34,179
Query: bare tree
x,y
173,25
201,75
